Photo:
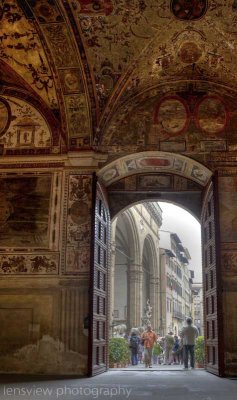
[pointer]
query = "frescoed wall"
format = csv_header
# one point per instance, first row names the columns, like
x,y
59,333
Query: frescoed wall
x,y
35,208
141,93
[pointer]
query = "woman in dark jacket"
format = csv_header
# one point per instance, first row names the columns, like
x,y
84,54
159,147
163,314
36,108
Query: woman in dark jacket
x,y
134,345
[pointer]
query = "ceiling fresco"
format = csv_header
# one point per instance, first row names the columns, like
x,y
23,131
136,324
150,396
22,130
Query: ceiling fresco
x,y
141,43
129,72
39,46
21,48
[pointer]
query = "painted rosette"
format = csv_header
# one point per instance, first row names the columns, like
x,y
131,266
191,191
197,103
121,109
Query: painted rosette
x,y
172,115
211,115
189,10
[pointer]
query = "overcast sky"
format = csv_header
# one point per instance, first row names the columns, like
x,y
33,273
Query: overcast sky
x,y
180,221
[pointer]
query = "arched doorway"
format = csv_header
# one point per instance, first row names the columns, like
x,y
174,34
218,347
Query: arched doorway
x,y
167,176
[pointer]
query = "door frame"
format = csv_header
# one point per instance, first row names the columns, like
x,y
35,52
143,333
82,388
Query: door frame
x,y
116,170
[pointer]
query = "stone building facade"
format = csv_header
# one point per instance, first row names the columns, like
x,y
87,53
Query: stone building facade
x,y
197,304
108,94
176,295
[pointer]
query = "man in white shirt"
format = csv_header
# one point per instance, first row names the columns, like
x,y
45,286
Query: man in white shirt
x,y
189,334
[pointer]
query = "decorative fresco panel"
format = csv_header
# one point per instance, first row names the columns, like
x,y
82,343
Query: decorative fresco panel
x,y
78,260
178,146
59,41
148,162
78,231
26,129
55,211
35,264
213,145
154,182
46,11
180,183
77,114
90,7
24,211
229,263
110,174
71,80
228,208
200,174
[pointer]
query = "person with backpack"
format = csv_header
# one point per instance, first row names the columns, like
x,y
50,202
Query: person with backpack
x,y
175,350
134,346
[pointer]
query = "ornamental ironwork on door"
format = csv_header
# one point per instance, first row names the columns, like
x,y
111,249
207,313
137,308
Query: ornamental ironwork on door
x,y
99,284
212,283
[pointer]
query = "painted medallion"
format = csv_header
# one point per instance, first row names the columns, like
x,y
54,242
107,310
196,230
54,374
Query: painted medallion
x,y
172,115
211,115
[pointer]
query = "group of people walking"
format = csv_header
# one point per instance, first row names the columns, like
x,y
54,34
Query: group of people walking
x,y
176,350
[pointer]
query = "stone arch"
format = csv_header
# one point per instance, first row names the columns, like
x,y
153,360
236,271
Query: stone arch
x,y
151,285
154,161
150,245
124,175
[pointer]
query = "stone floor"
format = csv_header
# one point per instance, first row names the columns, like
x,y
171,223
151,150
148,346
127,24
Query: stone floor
x,y
120,385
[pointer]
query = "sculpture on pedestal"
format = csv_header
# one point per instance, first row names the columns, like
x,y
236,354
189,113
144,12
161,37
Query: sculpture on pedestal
x,y
146,319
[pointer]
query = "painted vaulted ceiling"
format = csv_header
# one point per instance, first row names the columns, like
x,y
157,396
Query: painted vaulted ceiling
x,y
110,73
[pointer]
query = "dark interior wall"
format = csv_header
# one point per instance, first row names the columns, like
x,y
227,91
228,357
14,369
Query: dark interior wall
x,y
191,201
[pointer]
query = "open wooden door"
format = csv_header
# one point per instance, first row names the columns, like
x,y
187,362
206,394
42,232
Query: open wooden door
x,y
212,284
99,284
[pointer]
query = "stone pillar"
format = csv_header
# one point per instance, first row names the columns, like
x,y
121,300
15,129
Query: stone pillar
x,y
135,295
154,301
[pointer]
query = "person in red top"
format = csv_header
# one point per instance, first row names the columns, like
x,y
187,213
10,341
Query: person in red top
x,y
149,338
